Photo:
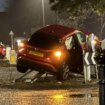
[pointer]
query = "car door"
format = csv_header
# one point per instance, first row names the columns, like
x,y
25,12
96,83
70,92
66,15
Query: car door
x,y
77,55
71,47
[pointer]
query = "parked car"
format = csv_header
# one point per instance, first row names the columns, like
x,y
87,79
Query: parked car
x,y
55,49
2,51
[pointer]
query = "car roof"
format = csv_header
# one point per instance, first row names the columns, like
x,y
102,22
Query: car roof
x,y
58,30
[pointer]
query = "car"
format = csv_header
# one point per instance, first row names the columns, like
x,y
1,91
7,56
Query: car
x,y
2,51
55,49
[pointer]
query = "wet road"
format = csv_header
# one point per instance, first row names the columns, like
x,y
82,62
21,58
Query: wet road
x,y
11,95
48,97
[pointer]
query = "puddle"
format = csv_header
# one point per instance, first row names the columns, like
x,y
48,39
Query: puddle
x,y
83,95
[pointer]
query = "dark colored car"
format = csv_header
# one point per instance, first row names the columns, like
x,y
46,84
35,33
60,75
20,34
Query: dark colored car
x,y
55,49
2,51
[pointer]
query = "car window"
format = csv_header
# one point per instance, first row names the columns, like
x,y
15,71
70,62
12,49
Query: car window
x,y
69,42
82,40
43,40
81,37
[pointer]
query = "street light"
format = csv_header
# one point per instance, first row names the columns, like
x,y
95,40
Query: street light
x,y
43,12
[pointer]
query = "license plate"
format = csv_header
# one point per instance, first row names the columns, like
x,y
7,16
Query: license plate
x,y
36,53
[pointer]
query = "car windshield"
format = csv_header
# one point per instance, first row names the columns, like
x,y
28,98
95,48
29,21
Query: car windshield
x,y
43,40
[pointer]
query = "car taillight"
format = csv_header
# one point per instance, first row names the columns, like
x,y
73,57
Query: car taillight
x,y
21,45
58,53
4,49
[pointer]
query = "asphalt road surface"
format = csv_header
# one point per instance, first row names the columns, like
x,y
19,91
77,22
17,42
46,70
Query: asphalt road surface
x,y
45,91
49,97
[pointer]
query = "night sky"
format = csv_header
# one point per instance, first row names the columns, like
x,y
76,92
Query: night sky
x,y
4,18
5,4
22,16
16,15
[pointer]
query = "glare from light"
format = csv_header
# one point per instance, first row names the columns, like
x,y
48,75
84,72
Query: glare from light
x,y
58,53
18,42
94,42
4,49
21,44
58,97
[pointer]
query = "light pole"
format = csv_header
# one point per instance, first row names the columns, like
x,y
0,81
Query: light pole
x,y
43,12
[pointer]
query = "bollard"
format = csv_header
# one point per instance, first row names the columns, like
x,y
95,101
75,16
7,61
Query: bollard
x,y
100,59
13,57
8,49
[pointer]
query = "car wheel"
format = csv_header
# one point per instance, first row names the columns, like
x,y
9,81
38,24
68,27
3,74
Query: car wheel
x,y
22,68
1,56
63,73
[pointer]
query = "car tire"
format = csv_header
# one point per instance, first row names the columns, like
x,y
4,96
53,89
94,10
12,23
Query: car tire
x,y
63,73
21,68
1,56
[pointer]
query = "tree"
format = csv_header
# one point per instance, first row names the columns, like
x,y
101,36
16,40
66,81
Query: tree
x,y
79,10
76,8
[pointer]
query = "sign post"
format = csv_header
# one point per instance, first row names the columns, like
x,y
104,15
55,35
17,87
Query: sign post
x,y
11,34
12,51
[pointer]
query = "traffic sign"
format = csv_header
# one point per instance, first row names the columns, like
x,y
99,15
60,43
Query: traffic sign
x,y
89,58
86,58
92,58
11,33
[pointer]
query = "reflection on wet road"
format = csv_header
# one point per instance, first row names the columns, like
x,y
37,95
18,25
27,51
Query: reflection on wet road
x,y
49,97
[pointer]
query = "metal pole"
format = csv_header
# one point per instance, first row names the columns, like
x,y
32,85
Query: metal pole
x,y
43,12
102,84
100,59
12,42
102,94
